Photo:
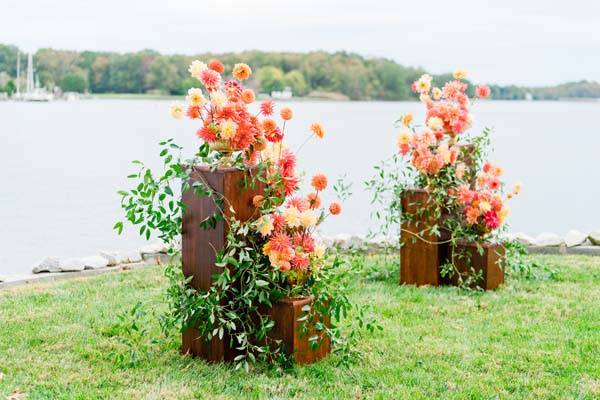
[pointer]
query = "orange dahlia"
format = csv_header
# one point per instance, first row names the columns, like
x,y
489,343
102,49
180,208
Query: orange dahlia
x,y
318,130
319,182
216,66
241,71
248,96
286,113
335,208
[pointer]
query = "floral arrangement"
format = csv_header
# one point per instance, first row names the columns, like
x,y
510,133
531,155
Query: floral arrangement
x,y
464,191
483,208
277,246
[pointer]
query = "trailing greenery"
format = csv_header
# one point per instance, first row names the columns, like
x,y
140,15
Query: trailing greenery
x,y
530,339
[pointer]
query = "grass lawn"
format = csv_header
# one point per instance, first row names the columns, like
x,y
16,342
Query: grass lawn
x,y
530,339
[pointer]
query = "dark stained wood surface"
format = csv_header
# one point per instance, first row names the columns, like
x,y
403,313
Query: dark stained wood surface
x,y
491,263
200,246
285,313
419,260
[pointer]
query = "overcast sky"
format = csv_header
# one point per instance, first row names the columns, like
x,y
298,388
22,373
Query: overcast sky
x,y
529,42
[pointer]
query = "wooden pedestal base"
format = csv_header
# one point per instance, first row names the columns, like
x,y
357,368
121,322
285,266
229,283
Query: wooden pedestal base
x,y
490,263
420,259
285,313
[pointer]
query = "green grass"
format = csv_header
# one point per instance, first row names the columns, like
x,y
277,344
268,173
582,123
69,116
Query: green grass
x,y
530,339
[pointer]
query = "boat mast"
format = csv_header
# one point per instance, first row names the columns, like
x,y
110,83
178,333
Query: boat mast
x,y
18,72
30,84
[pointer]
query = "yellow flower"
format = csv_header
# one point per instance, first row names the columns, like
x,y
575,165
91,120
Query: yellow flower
x,y
308,218
460,74
435,123
424,97
273,152
517,186
196,68
436,93
319,251
444,152
485,206
407,119
228,129
218,99
176,110
504,213
264,225
292,217
195,97
266,248
404,137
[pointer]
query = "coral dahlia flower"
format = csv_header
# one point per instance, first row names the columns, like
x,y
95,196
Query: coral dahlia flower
x,y
216,66
319,182
241,71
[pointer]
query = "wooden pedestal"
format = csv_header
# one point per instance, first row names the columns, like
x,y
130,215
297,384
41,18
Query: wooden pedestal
x,y
419,260
285,313
199,246
490,263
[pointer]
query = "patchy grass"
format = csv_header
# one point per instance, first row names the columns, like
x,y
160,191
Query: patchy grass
x,y
530,339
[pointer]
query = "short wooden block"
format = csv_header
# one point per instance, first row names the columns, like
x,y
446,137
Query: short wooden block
x,y
490,263
200,246
288,329
420,260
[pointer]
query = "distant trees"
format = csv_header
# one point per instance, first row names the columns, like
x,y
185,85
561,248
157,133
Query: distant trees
x,y
73,83
352,75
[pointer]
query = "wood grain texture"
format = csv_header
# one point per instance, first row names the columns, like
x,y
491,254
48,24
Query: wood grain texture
x,y
285,313
490,262
200,246
419,260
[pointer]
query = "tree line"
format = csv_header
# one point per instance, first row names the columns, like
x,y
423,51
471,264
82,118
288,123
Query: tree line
x,y
339,75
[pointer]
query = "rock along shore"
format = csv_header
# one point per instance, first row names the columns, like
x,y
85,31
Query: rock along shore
x,y
574,242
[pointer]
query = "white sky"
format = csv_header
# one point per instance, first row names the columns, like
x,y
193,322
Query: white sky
x,y
529,42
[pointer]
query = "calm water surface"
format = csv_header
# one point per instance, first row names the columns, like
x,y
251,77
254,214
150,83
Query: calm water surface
x,y
62,163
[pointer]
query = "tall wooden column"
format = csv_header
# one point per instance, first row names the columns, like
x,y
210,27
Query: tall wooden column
x,y
420,260
200,246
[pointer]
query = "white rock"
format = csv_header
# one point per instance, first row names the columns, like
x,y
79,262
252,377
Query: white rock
x,y
595,238
72,264
48,264
575,238
112,257
153,248
132,256
548,239
523,238
94,262
341,238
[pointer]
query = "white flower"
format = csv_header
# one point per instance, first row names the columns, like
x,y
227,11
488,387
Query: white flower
x,y
219,99
308,218
292,217
195,97
435,123
264,225
176,110
196,68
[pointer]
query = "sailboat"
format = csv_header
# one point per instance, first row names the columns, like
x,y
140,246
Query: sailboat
x,y
34,91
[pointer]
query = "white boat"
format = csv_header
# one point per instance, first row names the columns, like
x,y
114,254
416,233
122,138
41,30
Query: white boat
x,y
34,91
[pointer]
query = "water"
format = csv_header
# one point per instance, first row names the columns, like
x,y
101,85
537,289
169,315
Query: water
x,y
62,163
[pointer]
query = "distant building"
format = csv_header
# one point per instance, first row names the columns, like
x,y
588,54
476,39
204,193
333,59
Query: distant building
x,y
285,94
